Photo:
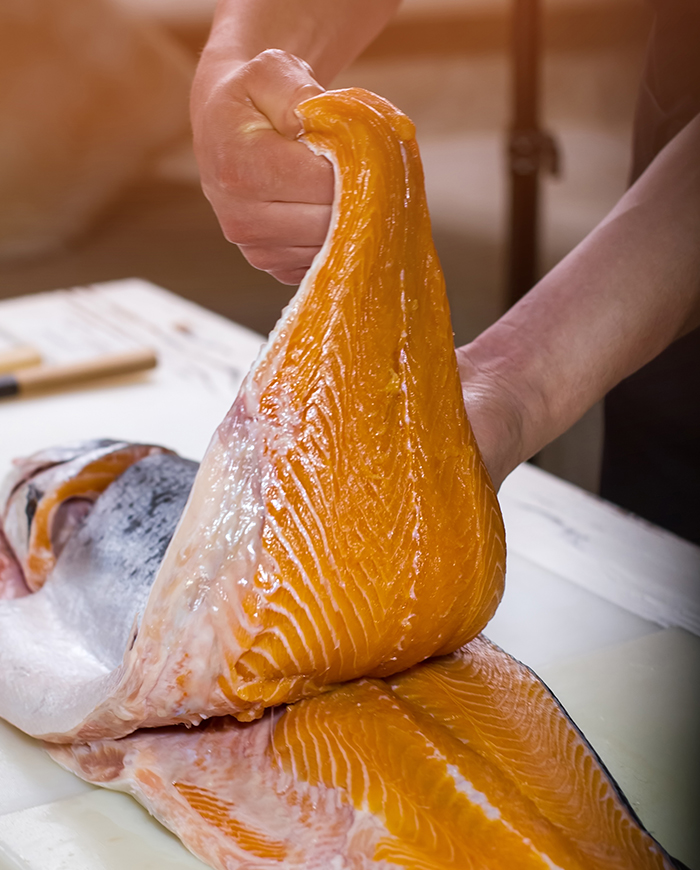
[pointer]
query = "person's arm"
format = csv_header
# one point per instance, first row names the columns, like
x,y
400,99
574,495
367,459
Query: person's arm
x,y
272,196
616,301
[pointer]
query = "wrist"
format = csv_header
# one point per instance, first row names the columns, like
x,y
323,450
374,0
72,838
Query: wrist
x,y
212,72
504,411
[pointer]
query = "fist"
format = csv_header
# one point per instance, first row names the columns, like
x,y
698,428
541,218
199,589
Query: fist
x,y
271,194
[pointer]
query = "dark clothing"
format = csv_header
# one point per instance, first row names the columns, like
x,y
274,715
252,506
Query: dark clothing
x,y
669,96
651,453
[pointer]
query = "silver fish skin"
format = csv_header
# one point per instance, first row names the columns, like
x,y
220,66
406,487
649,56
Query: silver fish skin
x,y
12,583
42,476
62,646
25,467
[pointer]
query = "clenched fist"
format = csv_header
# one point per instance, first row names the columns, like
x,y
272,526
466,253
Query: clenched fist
x,y
271,194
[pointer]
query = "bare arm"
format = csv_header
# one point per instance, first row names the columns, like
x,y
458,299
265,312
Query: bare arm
x,y
624,294
327,35
271,195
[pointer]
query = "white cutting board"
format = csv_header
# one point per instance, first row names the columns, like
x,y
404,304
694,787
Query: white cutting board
x,y
639,705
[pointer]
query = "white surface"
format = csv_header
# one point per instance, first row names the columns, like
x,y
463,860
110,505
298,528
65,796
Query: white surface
x,y
593,544
202,360
638,703
100,831
587,586
28,776
543,619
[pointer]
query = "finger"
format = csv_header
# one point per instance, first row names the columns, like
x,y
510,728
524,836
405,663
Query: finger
x,y
274,224
273,85
264,167
277,82
292,261
294,277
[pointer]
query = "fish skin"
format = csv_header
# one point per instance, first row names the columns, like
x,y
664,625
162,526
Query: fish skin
x,y
12,583
30,479
27,466
42,492
70,636
434,768
117,553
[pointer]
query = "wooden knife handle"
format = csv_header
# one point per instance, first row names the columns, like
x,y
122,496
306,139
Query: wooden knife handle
x,y
18,358
53,377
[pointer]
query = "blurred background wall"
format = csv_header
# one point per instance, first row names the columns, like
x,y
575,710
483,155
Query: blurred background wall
x,y
444,62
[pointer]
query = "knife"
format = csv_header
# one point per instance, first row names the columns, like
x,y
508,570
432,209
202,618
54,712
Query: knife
x,y
39,378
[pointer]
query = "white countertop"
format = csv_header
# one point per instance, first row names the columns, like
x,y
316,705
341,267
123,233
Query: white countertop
x,y
605,607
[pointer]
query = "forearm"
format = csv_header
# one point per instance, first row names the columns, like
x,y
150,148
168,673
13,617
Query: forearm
x,y
624,294
327,34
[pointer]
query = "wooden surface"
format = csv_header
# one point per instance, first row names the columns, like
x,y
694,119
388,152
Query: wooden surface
x,y
599,547
601,604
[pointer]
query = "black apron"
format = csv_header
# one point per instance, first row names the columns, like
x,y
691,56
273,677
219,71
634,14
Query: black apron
x,y
651,451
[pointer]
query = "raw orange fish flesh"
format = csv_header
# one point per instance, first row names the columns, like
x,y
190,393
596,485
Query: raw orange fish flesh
x,y
342,523
342,527
461,762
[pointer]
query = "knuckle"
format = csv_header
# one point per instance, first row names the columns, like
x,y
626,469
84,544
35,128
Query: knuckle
x,y
272,58
265,259
293,276
273,55
238,230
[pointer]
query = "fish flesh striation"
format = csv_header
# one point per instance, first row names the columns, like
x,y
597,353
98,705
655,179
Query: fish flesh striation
x,y
341,501
465,761
340,530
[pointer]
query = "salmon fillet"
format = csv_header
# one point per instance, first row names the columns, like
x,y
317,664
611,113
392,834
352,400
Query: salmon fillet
x,y
341,530
342,523
466,761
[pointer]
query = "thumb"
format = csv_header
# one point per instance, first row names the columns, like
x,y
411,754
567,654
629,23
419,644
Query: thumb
x,y
277,82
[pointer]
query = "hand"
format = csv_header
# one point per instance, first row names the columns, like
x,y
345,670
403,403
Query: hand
x,y
495,415
271,194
